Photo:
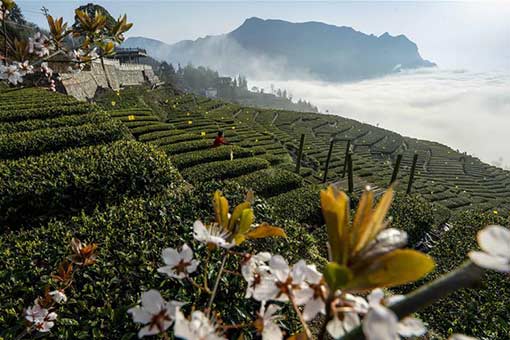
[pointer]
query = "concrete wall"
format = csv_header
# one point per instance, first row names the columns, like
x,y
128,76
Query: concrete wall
x,y
84,84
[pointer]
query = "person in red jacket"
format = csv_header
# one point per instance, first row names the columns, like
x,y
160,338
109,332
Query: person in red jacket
x,y
219,140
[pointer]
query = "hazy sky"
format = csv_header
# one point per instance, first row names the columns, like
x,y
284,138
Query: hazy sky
x,y
459,35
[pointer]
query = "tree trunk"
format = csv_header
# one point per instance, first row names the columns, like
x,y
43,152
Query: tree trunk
x,y
105,73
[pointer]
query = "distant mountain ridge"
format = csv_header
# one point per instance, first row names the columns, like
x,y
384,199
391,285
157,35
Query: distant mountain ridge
x,y
261,48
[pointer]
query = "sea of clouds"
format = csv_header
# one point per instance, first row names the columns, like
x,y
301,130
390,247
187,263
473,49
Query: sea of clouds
x,y
464,110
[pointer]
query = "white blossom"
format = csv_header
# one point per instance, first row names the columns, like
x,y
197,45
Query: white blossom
x,y
407,327
254,270
315,304
58,296
346,311
178,264
284,282
494,241
38,45
342,324
41,319
266,323
198,328
25,68
380,323
11,73
46,69
3,14
214,235
461,337
155,313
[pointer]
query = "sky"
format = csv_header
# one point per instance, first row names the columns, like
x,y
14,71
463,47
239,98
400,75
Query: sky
x,y
472,35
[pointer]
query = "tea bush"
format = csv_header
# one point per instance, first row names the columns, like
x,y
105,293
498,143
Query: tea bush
x,y
300,205
482,312
49,111
221,170
413,214
189,159
34,189
23,144
127,264
270,182
173,149
36,124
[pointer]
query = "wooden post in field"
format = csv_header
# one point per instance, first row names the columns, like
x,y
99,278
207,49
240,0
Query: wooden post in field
x,y
327,160
411,175
347,150
395,169
350,172
300,153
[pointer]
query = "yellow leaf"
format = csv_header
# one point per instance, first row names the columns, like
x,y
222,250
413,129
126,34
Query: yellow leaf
x,y
361,223
380,212
265,230
336,275
393,269
335,209
131,117
202,133
236,214
247,217
220,205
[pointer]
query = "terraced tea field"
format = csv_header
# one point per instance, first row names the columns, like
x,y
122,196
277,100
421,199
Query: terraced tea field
x,y
188,123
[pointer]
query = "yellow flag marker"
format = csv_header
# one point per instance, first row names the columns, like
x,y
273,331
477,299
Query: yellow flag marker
x,y
131,117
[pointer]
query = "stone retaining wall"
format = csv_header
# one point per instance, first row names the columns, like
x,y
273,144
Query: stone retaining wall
x,y
83,85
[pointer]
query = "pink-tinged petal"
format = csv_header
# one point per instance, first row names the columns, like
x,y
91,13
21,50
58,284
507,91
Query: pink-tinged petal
x,y
411,327
193,266
461,337
279,267
148,331
152,301
170,256
380,324
272,332
312,275
351,321
391,300
170,271
375,297
186,253
335,328
312,308
51,316
267,290
488,261
140,315
303,295
495,240
200,232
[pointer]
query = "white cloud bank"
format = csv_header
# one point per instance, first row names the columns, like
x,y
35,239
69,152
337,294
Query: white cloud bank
x,y
464,110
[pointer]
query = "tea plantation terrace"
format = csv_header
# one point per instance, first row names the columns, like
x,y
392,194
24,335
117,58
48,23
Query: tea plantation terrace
x,y
188,123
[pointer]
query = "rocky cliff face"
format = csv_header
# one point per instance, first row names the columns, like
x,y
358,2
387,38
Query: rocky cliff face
x,y
261,48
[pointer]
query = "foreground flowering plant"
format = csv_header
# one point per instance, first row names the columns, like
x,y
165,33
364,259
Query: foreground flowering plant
x,y
28,59
366,256
41,316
